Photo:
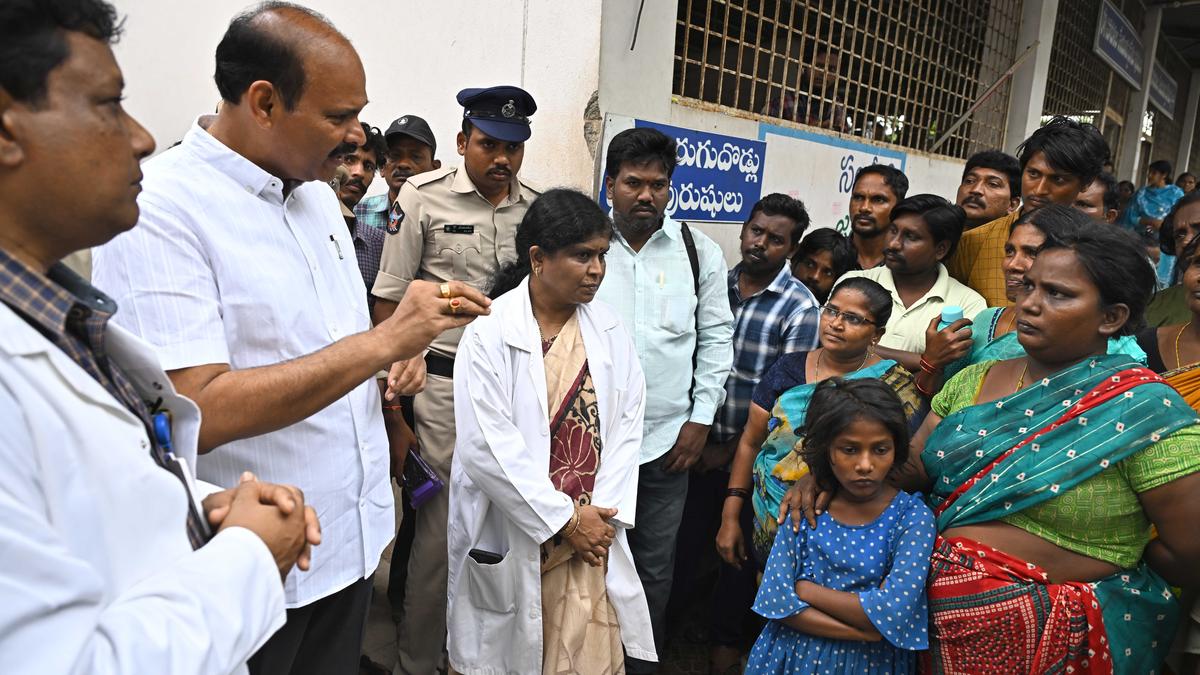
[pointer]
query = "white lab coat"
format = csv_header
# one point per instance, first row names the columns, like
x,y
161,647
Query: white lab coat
x,y
501,497
96,572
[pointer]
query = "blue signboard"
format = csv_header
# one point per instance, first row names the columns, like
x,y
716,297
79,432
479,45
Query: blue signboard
x,y
1163,90
717,178
1119,44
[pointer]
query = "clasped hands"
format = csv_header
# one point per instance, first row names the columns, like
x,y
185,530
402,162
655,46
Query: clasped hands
x,y
594,535
276,513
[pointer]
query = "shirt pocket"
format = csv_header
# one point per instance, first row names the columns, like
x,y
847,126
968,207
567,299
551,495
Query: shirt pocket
x,y
678,313
460,250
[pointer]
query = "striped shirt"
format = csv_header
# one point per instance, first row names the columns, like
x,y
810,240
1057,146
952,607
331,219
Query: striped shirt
x,y
368,249
782,318
225,267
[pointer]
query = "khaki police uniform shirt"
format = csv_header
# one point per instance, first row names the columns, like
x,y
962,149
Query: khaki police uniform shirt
x,y
449,231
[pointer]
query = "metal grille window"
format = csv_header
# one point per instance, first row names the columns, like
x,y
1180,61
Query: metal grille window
x,y
1077,82
901,72
1168,132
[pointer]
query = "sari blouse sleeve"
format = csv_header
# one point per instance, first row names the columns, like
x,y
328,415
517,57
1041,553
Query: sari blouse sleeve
x,y
960,391
785,373
777,597
1172,458
898,609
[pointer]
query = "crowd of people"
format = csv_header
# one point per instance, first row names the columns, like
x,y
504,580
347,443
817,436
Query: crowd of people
x,y
962,439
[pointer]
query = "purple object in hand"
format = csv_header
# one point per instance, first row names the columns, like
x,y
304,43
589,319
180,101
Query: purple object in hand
x,y
420,481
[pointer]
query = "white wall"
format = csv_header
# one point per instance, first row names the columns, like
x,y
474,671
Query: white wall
x,y
417,56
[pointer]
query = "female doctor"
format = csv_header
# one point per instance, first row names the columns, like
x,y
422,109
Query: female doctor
x,y
548,401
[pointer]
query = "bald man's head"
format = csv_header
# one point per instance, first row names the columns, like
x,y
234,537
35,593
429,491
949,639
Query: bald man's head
x,y
293,87
271,43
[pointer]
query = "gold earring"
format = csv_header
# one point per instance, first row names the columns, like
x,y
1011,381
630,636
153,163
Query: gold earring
x,y
537,271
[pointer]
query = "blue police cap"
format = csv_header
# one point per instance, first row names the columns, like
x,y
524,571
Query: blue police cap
x,y
500,112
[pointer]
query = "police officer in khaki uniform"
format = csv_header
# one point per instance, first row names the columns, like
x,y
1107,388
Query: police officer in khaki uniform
x,y
457,223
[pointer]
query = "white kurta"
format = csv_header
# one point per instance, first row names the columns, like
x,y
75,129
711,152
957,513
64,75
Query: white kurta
x,y
96,572
501,497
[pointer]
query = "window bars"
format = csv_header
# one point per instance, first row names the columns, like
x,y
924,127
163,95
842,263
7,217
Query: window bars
x,y
900,72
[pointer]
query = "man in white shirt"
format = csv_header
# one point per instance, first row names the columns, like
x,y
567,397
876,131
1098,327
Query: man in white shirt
x,y
923,233
242,275
682,329
110,565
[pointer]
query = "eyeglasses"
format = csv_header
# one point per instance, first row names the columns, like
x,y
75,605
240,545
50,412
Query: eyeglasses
x,y
850,319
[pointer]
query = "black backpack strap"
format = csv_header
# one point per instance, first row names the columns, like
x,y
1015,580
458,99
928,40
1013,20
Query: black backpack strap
x,y
694,259
690,244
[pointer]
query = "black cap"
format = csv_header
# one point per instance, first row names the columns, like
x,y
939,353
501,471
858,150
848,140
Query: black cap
x,y
500,112
413,127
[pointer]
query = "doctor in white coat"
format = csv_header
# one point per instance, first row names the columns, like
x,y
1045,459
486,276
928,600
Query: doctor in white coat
x,y
105,562
548,399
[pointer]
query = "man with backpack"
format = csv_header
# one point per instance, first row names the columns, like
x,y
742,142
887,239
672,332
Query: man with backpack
x,y
669,284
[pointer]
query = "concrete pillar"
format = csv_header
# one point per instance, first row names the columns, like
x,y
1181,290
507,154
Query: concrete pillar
x,y
1131,140
1189,125
1028,91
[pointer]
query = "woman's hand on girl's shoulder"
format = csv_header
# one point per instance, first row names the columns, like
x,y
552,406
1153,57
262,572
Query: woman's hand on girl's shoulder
x,y
803,501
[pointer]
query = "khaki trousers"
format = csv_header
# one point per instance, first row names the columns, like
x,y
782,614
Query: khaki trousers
x,y
422,633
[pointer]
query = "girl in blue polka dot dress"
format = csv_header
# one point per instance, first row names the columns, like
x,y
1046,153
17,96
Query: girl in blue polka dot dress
x,y
849,596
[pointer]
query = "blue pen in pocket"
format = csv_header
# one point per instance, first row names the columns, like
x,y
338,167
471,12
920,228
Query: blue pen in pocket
x,y
162,432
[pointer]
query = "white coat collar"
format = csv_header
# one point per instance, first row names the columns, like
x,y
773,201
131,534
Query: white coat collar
x,y
520,329
514,310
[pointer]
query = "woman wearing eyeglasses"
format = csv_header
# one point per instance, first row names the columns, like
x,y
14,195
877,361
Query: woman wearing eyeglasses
x,y
768,458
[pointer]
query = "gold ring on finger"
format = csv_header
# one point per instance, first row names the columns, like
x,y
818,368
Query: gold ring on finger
x,y
455,305
445,289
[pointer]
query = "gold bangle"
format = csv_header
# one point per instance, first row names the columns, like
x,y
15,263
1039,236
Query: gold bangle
x,y
572,525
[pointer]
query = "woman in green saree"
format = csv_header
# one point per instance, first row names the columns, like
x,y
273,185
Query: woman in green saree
x,y
768,456
993,331
1047,472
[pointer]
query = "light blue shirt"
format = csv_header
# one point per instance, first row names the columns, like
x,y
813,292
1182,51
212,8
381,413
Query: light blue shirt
x,y
652,290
